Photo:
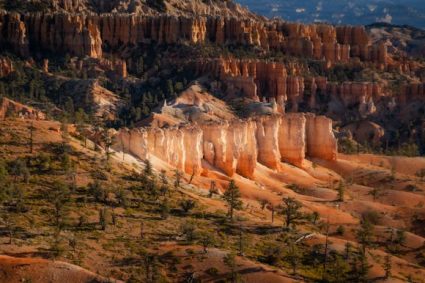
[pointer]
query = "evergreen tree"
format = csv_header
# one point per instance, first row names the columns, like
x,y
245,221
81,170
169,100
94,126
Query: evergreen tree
x,y
291,211
148,171
365,233
364,267
31,137
103,218
232,197
230,261
294,257
341,191
59,196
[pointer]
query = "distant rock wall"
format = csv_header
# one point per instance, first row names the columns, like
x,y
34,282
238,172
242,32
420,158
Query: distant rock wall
x,y
89,34
234,147
283,83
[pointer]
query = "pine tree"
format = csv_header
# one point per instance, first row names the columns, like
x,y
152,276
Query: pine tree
x,y
59,196
232,197
365,234
230,261
103,218
31,141
65,133
148,171
294,257
291,211
363,269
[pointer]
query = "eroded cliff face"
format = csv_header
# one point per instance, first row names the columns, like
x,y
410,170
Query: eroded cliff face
x,y
89,34
234,147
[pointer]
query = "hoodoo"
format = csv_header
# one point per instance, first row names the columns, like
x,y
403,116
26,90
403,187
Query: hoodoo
x,y
235,147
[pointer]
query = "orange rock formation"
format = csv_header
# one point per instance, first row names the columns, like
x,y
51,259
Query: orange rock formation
x,y
236,146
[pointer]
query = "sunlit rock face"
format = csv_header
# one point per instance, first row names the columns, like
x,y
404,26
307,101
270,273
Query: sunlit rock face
x,y
231,147
292,138
234,147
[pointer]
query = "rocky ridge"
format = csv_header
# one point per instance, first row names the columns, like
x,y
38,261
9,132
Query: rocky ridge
x,y
12,108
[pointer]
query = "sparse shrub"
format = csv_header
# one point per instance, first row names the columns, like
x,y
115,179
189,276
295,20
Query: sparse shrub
x,y
206,240
187,205
188,229
372,217
272,253
98,192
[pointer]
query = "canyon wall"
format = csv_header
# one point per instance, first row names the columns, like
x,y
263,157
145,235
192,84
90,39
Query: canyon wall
x,y
234,147
91,34
279,82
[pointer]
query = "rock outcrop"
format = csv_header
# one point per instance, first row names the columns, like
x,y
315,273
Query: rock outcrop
x,y
321,141
10,108
234,147
365,131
